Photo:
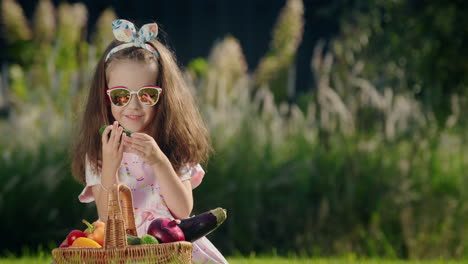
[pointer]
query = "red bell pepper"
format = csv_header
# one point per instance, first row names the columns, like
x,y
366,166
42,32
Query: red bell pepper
x,y
74,235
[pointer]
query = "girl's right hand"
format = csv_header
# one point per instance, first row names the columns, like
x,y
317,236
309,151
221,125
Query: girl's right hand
x,y
112,151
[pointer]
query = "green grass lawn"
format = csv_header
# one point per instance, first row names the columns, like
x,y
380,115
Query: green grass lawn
x,y
261,260
330,261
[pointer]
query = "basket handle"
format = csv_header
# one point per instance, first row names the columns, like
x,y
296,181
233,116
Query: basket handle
x,y
120,217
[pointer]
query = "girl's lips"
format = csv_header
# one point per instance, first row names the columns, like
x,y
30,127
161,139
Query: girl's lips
x,y
133,117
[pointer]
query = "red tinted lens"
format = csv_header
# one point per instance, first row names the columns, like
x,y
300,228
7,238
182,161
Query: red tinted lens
x,y
119,97
148,95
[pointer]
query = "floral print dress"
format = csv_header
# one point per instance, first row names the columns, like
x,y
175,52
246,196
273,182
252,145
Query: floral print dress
x,y
148,201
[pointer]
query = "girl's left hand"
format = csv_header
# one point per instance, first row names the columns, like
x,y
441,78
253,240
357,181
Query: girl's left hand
x,y
146,147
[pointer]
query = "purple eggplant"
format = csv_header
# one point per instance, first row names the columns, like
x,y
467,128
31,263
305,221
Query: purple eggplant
x,y
202,224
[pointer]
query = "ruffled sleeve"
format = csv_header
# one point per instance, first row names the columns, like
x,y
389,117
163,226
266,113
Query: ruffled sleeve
x,y
194,174
92,178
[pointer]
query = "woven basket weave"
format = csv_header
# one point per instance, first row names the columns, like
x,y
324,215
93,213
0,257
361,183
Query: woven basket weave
x,y
121,221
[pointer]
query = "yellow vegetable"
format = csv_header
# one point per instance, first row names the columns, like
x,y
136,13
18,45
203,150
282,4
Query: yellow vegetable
x,y
85,242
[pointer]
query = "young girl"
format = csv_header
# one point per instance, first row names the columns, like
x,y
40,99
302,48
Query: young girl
x,y
138,86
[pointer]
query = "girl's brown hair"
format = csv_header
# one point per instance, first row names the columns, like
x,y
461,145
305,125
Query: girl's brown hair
x,y
177,126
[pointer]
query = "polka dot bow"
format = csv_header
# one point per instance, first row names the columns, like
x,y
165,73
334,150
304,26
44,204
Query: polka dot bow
x,y
124,31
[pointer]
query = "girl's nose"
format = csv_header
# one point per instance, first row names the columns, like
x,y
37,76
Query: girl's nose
x,y
134,102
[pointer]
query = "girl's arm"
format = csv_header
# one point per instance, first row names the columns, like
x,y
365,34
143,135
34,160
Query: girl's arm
x,y
112,152
176,194
100,194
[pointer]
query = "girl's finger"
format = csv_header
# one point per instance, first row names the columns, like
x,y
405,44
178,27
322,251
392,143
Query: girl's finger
x,y
134,141
140,136
118,139
116,135
115,127
105,134
137,151
121,146
141,149
134,146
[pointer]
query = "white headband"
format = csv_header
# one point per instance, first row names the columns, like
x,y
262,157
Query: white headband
x,y
125,31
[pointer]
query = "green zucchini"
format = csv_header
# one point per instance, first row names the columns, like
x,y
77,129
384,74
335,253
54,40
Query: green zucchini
x,y
101,130
202,224
133,240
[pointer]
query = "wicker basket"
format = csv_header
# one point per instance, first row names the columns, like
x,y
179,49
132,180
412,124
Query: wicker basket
x,y
121,221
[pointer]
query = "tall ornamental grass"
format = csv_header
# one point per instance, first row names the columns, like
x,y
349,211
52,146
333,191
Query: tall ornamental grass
x,y
360,169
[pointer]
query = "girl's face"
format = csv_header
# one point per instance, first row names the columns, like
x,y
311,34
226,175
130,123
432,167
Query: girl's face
x,y
133,75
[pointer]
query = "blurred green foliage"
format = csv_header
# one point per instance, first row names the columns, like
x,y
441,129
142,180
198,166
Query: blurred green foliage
x,y
423,42
274,69
360,167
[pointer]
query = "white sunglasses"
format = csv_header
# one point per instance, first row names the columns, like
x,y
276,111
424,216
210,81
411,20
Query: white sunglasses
x,y
148,95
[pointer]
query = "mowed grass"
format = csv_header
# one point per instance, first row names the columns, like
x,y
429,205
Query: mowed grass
x,y
279,260
267,260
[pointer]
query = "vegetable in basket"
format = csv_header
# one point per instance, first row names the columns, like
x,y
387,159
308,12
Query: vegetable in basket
x,y
165,230
149,240
95,231
85,242
202,224
72,236
189,229
133,240
64,244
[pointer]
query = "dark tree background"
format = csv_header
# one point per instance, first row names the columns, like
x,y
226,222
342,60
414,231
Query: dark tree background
x,y
427,39
192,27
